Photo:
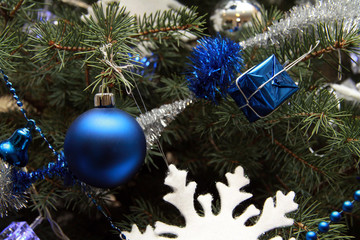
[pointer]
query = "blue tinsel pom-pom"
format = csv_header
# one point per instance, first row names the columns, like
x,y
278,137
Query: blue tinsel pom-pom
x,y
215,63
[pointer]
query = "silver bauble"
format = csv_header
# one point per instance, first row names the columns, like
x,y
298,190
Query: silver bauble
x,y
233,15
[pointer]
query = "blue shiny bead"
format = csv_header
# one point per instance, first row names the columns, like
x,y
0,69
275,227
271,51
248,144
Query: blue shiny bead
x,y
22,110
9,84
311,235
335,216
347,206
324,227
12,90
20,104
14,149
16,97
357,195
104,147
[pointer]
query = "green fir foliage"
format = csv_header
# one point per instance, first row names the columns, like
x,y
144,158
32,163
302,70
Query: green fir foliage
x,y
309,145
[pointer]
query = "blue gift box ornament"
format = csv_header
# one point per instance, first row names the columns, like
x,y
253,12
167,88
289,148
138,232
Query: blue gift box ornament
x,y
262,89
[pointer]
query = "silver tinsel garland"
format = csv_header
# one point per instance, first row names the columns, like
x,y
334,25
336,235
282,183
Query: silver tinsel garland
x,y
302,17
8,199
153,122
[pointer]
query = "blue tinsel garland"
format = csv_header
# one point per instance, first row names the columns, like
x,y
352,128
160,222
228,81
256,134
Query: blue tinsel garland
x,y
215,63
23,180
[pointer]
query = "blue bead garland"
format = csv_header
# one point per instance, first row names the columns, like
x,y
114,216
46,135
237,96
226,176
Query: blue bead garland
x,y
311,235
347,206
122,236
23,111
335,216
323,227
357,196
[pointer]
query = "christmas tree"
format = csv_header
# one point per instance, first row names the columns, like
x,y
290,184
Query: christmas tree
x,y
235,106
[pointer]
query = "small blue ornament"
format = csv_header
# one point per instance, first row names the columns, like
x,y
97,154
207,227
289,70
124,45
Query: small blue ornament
x,y
262,89
147,64
324,227
104,147
347,206
18,230
311,235
335,216
215,63
357,196
14,149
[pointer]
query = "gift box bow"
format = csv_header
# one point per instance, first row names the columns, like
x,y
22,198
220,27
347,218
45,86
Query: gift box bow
x,y
262,89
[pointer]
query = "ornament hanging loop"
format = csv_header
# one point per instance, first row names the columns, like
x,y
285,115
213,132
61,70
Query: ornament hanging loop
x,y
104,99
31,124
108,60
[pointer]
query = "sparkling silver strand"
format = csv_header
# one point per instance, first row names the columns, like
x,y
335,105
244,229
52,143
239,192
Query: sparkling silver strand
x,y
8,199
301,17
153,122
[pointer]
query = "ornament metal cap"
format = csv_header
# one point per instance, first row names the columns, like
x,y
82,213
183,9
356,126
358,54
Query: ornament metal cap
x,y
104,100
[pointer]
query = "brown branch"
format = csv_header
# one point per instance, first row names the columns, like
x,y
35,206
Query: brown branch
x,y
16,8
58,62
253,54
287,150
72,49
167,29
87,75
352,140
17,49
156,38
328,49
301,225
214,144
316,54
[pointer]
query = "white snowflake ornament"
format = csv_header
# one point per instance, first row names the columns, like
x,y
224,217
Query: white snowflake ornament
x,y
223,225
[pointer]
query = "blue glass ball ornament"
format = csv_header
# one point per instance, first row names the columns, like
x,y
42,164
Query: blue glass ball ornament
x,y
324,227
357,196
311,235
347,206
335,216
104,147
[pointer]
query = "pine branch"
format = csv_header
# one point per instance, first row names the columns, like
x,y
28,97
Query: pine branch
x,y
169,23
16,8
287,150
73,49
329,49
302,17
